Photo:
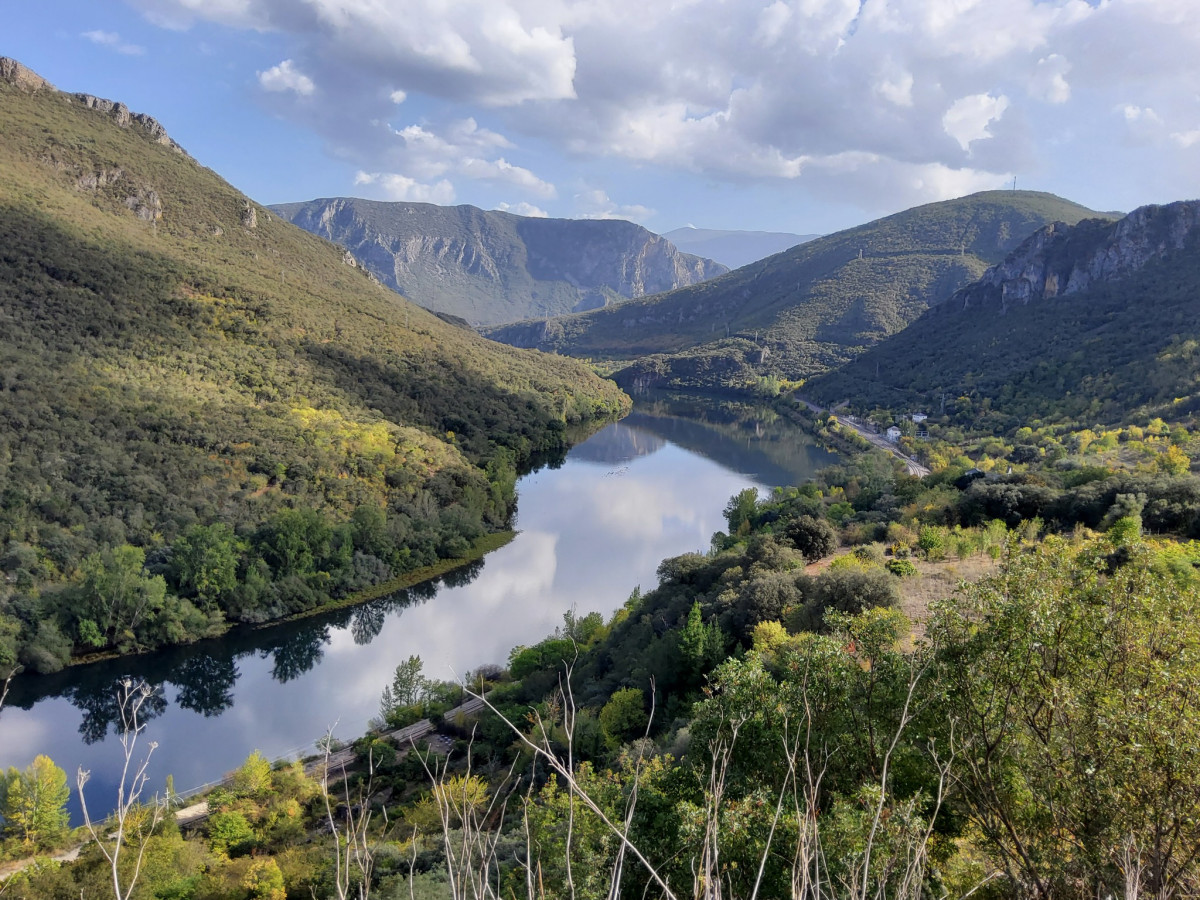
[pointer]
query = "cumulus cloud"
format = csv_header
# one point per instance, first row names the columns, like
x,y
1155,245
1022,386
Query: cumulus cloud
x,y
897,89
968,118
426,160
596,204
494,53
113,41
500,170
394,186
1049,81
286,77
523,209
811,92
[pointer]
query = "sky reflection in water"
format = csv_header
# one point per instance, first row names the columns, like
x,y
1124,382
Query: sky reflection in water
x,y
590,532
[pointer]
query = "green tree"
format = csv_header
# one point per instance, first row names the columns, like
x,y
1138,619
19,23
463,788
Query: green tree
x,y
1074,681
409,688
117,595
229,832
295,541
264,881
740,510
813,537
624,716
253,778
700,645
33,801
205,561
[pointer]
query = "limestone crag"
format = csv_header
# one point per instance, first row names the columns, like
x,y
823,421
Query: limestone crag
x,y
22,77
1058,259
491,267
146,204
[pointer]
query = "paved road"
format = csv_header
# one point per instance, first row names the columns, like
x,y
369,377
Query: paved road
x,y
877,440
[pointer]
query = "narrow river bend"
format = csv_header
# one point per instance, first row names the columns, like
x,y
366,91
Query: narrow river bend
x,y
651,486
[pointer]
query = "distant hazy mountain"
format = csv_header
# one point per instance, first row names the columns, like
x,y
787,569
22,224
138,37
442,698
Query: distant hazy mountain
x,y
490,267
734,248
810,308
1090,321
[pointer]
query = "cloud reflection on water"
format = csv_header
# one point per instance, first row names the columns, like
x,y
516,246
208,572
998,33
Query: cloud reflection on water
x,y
590,532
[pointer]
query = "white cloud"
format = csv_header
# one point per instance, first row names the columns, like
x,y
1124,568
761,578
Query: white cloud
x,y
1049,80
897,89
502,171
596,204
523,209
286,77
968,118
772,21
799,90
1134,113
394,186
494,52
1186,139
113,40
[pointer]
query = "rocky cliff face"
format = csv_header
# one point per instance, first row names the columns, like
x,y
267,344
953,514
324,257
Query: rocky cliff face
x,y
1059,260
493,267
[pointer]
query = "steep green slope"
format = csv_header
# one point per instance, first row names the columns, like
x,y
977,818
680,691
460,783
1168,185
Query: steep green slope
x,y
807,309
173,357
1087,323
489,267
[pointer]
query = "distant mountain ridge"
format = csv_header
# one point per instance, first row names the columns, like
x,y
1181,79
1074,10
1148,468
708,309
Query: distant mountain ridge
x,y
808,309
1092,321
734,248
489,267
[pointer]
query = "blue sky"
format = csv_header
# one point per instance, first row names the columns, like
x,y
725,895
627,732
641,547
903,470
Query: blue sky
x,y
786,115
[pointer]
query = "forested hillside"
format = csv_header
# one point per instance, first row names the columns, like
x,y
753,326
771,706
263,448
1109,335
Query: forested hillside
x,y
206,415
1089,324
808,309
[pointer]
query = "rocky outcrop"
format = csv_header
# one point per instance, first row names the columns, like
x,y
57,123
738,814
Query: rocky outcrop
x,y
146,204
1059,259
249,215
122,116
493,267
25,79
21,77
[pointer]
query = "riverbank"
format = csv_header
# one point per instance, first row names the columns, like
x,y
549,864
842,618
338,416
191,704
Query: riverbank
x,y
479,549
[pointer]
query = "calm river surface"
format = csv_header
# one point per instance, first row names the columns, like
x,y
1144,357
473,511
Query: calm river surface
x,y
649,487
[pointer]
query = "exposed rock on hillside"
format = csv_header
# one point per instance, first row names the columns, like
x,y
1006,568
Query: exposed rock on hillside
x,y
25,79
491,267
1095,321
1061,259
22,77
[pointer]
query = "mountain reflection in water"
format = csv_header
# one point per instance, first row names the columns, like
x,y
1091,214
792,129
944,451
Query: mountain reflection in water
x,y
587,538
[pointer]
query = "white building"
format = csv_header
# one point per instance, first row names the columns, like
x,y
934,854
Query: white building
x,y
892,434
919,417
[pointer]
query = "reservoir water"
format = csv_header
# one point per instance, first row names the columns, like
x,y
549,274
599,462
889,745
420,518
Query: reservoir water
x,y
590,531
